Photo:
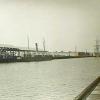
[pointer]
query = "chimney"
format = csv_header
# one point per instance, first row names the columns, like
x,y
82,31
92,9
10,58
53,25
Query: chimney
x,y
36,45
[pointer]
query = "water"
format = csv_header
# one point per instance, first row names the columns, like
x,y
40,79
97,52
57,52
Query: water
x,y
48,80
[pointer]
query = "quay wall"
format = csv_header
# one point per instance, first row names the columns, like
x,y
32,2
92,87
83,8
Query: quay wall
x,y
18,55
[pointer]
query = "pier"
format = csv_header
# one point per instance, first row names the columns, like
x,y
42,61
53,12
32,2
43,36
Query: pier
x,y
17,54
14,54
91,92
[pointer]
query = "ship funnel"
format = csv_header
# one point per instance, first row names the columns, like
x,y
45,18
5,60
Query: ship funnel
x,y
36,45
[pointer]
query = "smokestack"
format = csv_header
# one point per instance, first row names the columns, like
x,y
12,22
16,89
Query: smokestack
x,y
36,45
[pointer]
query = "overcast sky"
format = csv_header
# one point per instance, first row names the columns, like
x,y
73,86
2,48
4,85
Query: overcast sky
x,y
63,23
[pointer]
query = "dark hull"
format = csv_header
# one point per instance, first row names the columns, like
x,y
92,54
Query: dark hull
x,y
36,58
26,59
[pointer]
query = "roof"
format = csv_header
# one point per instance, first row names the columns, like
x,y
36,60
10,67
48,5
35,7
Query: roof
x,y
11,47
7,46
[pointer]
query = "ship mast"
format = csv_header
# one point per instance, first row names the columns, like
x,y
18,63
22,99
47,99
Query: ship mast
x,y
28,41
75,48
97,48
43,44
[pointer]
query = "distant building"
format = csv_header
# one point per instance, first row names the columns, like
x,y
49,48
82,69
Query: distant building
x,y
73,53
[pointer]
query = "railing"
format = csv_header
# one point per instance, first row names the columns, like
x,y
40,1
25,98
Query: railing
x,y
87,91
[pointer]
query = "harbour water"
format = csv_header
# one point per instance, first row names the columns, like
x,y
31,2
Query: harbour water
x,y
61,79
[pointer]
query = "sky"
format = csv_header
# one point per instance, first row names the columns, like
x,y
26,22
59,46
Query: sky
x,y
64,24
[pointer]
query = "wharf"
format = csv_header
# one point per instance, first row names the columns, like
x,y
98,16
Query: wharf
x,y
15,54
95,95
91,92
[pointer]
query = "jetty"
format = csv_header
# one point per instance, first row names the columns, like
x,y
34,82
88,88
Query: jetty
x,y
91,92
9,53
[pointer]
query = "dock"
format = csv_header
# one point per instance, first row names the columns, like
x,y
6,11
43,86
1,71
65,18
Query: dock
x,y
95,95
10,53
91,92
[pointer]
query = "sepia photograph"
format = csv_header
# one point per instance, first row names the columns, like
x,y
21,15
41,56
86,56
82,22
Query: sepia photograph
x,y
49,49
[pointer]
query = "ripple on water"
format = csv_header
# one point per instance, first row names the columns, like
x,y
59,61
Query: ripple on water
x,y
51,80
